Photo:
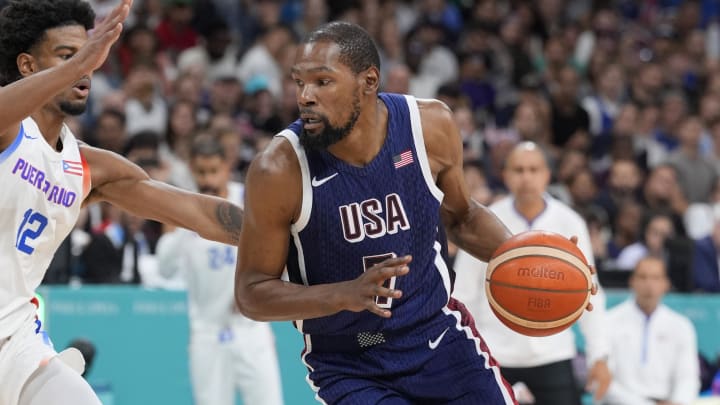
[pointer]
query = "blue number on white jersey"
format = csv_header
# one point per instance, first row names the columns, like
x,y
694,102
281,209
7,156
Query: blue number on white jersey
x,y
26,231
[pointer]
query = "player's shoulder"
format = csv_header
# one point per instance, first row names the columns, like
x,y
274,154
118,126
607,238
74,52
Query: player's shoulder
x,y
434,109
277,159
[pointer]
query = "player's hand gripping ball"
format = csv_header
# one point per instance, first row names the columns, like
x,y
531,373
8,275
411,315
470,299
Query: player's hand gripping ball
x,y
538,283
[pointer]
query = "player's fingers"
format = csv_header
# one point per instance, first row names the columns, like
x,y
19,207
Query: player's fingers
x,y
379,275
594,289
381,312
574,239
589,306
592,269
381,291
116,16
395,261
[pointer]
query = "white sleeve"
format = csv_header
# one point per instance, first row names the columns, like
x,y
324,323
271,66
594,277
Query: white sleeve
x,y
687,368
592,324
619,395
169,252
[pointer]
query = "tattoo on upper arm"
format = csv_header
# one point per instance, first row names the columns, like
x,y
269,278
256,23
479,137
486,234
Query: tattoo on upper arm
x,y
230,217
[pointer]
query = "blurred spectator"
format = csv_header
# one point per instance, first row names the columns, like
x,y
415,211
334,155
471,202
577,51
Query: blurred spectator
x,y
695,174
116,249
653,357
623,183
603,105
145,107
175,32
625,231
398,79
110,131
706,258
656,228
570,122
472,138
263,59
661,191
431,62
696,216
216,52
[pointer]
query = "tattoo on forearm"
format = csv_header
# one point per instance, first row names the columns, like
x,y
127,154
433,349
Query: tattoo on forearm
x,y
230,217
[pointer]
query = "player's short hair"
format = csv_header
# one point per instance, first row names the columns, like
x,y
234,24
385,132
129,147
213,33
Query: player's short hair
x,y
23,24
357,48
207,146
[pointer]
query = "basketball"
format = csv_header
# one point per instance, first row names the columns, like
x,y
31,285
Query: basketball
x,y
538,283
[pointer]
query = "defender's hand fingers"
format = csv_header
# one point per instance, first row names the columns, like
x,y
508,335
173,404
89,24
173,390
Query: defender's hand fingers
x,y
395,261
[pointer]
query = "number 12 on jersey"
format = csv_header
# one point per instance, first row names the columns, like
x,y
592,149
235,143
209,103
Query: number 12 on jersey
x,y
32,225
368,262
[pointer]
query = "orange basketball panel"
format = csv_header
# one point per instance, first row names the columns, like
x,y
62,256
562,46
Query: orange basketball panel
x,y
542,272
537,305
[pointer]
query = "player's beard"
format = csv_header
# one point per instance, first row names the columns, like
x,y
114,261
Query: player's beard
x,y
330,134
73,108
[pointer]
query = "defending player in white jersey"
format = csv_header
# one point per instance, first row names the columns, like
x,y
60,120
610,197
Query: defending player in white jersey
x,y
46,65
227,350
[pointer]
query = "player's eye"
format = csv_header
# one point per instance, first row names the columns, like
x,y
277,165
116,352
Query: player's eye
x,y
324,82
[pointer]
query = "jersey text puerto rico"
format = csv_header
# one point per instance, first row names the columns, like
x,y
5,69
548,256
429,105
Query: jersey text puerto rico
x,y
54,193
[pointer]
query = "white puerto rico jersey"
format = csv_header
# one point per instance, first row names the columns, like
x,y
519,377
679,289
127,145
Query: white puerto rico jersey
x,y
41,191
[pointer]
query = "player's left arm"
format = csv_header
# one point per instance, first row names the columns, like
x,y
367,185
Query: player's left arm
x,y
124,184
470,225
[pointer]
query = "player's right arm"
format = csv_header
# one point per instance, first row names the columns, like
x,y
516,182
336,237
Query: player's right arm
x,y
21,98
273,197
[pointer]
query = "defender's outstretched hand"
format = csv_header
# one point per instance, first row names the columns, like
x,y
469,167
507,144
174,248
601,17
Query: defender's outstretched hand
x,y
360,294
93,54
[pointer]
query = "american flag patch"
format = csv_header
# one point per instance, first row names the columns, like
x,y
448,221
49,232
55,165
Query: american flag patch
x,y
74,168
403,159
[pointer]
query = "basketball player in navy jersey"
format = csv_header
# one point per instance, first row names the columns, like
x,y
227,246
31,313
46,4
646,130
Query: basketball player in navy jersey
x,y
354,198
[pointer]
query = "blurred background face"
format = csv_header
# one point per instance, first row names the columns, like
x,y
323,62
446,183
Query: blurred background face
x,y
658,230
526,174
649,282
211,174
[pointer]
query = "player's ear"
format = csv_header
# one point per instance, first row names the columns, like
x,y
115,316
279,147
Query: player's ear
x,y
26,64
371,80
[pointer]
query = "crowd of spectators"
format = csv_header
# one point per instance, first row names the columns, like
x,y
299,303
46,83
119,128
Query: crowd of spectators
x,y
623,95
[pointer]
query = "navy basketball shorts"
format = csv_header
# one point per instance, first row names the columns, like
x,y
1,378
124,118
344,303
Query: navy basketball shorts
x,y
442,361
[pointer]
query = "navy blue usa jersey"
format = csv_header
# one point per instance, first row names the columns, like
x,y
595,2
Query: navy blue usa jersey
x,y
353,217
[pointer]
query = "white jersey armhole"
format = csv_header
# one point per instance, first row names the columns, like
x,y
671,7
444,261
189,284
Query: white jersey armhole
x,y
419,139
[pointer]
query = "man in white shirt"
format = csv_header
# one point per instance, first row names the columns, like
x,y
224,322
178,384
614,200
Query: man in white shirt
x,y
653,349
544,364
228,351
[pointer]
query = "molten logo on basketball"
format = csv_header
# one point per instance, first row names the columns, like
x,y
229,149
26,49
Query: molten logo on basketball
x,y
540,271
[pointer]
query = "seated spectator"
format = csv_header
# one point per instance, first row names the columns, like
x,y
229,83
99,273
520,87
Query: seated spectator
x,y
653,354
656,228
706,274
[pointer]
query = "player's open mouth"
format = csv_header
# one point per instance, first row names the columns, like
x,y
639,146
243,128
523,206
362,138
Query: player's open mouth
x,y
311,121
82,87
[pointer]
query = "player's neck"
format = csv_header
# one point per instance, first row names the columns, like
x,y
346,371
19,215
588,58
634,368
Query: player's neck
x,y
367,137
50,125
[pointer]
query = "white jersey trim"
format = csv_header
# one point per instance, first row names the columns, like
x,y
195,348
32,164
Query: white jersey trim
x,y
307,199
423,160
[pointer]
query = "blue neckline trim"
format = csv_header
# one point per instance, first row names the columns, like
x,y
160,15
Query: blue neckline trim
x,y
9,151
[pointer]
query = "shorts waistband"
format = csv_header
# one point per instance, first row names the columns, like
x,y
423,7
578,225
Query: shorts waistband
x,y
352,343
